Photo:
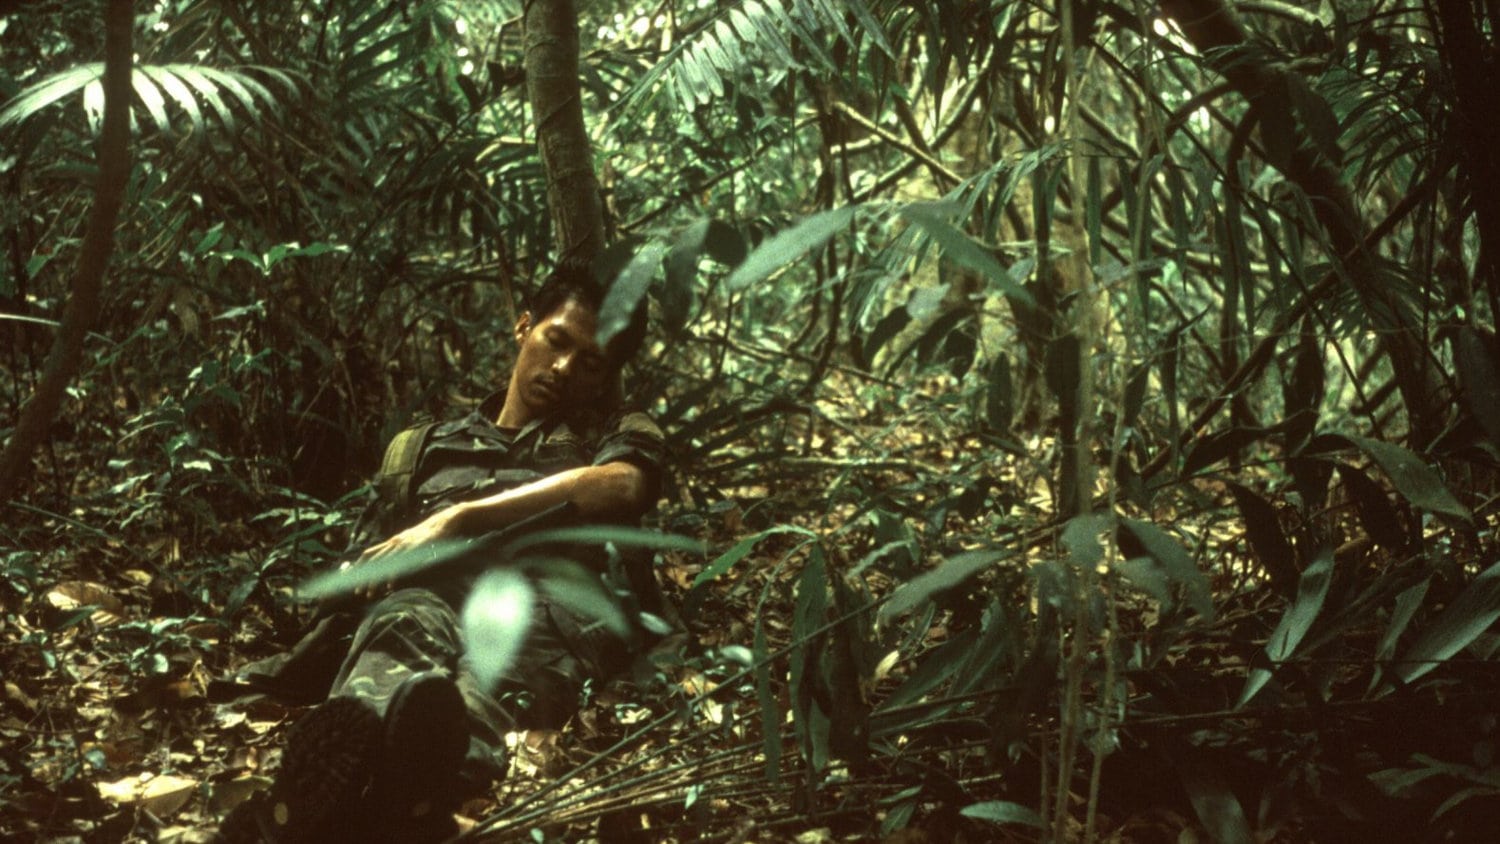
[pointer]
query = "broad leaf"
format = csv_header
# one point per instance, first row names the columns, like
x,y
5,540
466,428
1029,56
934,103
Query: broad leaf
x,y
1081,537
381,570
869,26
495,619
1413,478
578,589
1003,812
789,245
1214,801
1475,362
1406,606
960,249
676,295
1376,513
741,549
1472,613
1176,563
150,96
937,666
1312,589
1302,396
49,91
626,292
999,399
951,573
1316,116
1147,575
1267,541
1211,449
600,534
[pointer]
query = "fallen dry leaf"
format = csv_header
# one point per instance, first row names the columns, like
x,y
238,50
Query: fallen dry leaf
x,y
162,794
72,594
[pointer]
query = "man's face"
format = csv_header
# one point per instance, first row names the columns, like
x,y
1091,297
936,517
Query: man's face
x,y
559,366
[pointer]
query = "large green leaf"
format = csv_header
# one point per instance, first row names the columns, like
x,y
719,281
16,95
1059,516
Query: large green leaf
x,y
178,91
725,561
1402,613
1176,563
495,619
388,568
937,666
1267,541
626,292
601,534
869,26
1413,478
1003,812
49,91
1208,789
1376,513
150,96
1474,359
676,295
804,673
741,549
960,249
951,573
1218,446
789,245
1472,613
1302,395
579,589
1312,589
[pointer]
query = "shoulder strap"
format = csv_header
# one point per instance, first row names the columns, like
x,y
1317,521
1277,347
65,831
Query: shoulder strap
x,y
400,461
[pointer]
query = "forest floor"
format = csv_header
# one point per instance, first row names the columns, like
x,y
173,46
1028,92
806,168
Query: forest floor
x,y
111,728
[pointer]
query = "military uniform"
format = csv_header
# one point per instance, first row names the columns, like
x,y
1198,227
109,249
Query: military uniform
x,y
415,628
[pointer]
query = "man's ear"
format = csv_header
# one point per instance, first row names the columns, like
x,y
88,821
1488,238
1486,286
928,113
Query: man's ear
x,y
523,326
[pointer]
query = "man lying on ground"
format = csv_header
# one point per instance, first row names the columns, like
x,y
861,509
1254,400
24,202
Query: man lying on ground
x,y
406,730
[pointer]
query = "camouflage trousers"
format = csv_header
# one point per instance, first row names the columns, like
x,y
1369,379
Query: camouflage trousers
x,y
415,629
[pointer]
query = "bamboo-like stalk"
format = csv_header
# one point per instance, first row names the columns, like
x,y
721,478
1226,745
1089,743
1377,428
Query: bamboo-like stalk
x,y
93,257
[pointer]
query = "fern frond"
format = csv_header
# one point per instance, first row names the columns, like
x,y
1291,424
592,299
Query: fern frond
x,y
761,37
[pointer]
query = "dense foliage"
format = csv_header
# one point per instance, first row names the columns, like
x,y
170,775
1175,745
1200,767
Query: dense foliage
x,y
1090,407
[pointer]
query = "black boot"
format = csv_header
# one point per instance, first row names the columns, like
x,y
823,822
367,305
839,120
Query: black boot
x,y
325,771
417,787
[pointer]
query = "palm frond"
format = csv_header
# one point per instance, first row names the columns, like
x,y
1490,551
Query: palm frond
x,y
760,36
156,86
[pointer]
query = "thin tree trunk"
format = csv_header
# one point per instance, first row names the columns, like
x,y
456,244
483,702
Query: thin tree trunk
x,y
556,101
93,259
1469,51
1214,32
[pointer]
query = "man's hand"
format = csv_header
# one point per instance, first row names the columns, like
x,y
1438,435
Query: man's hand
x,y
435,528
613,490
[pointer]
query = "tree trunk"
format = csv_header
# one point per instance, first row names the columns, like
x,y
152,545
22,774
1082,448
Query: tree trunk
x,y
93,259
1469,49
1215,33
556,101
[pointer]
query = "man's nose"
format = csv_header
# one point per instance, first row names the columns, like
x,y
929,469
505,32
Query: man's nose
x,y
563,365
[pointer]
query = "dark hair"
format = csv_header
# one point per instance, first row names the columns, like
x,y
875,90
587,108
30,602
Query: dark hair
x,y
575,279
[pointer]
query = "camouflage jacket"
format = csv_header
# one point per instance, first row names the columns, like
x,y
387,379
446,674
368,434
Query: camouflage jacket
x,y
472,457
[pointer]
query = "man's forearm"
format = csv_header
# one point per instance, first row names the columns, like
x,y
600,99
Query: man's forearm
x,y
613,491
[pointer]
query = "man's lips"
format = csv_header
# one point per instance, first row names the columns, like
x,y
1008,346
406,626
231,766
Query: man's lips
x,y
550,391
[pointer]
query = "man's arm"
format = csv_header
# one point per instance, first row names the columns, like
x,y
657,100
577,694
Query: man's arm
x,y
616,490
